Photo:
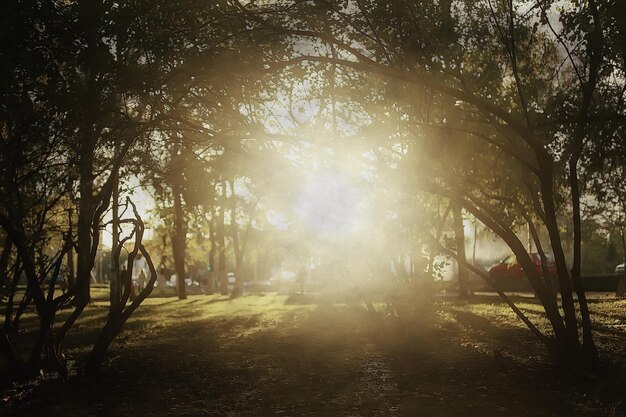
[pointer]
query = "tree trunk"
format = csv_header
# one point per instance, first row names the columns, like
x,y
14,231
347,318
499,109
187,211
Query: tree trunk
x,y
221,247
71,276
442,223
459,237
4,261
85,240
106,336
118,318
43,337
474,244
571,325
21,308
88,232
10,326
542,255
234,230
548,302
588,343
212,270
623,245
179,239
114,285
7,351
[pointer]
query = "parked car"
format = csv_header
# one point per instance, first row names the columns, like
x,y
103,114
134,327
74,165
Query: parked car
x,y
619,269
510,269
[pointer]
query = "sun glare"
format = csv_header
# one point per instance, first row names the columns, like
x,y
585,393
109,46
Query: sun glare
x,y
328,204
144,204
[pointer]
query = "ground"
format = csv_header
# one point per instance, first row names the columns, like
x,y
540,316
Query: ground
x,y
309,355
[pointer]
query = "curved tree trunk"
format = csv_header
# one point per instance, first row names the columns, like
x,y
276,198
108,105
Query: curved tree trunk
x,y
490,219
589,346
122,313
570,344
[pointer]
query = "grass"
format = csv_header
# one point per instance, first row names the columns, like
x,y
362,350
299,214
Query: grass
x,y
312,355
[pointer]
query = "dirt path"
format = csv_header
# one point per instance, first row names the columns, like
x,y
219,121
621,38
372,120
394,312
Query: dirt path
x,y
261,356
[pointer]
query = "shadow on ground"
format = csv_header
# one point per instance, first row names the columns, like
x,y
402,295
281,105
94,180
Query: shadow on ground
x,y
295,355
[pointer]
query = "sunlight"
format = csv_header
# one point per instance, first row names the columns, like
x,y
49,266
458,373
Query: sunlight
x,y
328,204
277,219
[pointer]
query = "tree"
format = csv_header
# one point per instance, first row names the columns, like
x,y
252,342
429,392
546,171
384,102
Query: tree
x,y
121,312
507,105
85,86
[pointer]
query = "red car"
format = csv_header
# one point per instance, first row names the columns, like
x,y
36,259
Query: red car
x,y
510,269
